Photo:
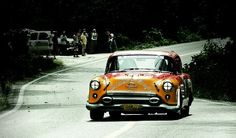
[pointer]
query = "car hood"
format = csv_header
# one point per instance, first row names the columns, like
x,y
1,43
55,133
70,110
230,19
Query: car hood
x,y
134,81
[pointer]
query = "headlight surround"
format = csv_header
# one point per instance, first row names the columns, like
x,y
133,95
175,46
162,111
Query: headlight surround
x,y
95,85
168,86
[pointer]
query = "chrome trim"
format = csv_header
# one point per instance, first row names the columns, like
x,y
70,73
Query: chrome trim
x,y
131,98
107,99
154,100
131,92
118,107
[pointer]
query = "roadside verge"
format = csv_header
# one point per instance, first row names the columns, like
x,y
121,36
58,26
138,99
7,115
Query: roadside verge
x,y
16,97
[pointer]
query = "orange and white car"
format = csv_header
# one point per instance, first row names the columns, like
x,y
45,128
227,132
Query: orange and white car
x,y
141,82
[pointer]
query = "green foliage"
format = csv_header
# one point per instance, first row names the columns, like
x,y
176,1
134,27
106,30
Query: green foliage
x,y
185,35
153,34
5,89
58,63
155,37
123,40
3,101
151,38
212,72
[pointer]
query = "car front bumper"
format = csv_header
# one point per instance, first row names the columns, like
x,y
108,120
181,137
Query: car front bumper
x,y
133,107
136,107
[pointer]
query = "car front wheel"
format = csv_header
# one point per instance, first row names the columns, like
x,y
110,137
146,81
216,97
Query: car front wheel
x,y
96,115
185,111
115,115
174,115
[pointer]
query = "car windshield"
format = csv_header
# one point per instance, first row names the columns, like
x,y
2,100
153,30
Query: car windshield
x,y
140,63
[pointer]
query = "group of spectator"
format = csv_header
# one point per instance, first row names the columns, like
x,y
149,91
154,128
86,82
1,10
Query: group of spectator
x,y
82,41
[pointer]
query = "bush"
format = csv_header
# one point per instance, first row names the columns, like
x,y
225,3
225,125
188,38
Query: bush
x,y
212,72
152,35
185,35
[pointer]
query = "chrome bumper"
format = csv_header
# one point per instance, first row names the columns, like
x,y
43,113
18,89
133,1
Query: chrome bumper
x,y
141,107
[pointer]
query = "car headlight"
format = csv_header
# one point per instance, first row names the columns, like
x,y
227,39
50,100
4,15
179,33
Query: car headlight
x,y
94,84
167,86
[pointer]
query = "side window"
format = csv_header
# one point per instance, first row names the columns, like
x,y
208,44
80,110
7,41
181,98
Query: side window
x,y
112,65
178,64
162,64
43,36
170,65
166,64
33,36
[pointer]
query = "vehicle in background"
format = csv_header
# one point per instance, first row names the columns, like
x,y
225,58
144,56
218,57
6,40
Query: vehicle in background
x,y
39,42
65,49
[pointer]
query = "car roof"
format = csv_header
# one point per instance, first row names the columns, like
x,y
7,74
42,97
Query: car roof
x,y
171,54
34,31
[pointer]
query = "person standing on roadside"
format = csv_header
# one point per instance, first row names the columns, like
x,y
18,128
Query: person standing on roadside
x,y
111,42
85,33
93,42
83,41
55,44
50,43
76,44
108,41
63,38
63,42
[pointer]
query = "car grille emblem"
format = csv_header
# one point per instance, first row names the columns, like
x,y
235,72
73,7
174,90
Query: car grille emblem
x,y
131,85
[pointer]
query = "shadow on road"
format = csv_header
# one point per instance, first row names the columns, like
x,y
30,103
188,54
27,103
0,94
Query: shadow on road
x,y
140,117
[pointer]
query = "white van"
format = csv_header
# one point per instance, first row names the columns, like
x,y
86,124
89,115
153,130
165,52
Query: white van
x,y
39,42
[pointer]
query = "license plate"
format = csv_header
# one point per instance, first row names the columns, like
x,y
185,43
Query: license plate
x,y
131,107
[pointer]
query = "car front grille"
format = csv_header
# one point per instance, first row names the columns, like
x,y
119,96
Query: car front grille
x,y
131,98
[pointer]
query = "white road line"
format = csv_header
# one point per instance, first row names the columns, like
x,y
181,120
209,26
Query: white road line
x,y
22,90
121,130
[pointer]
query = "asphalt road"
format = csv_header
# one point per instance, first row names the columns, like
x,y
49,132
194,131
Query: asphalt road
x,y
53,106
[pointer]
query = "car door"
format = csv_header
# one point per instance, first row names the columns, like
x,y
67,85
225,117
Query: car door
x,y
42,43
33,41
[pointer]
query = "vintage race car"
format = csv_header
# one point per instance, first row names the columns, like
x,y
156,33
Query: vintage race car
x,y
141,82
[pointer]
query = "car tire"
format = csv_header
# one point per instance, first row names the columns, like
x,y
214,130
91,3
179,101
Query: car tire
x,y
185,111
96,115
174,115
115,115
